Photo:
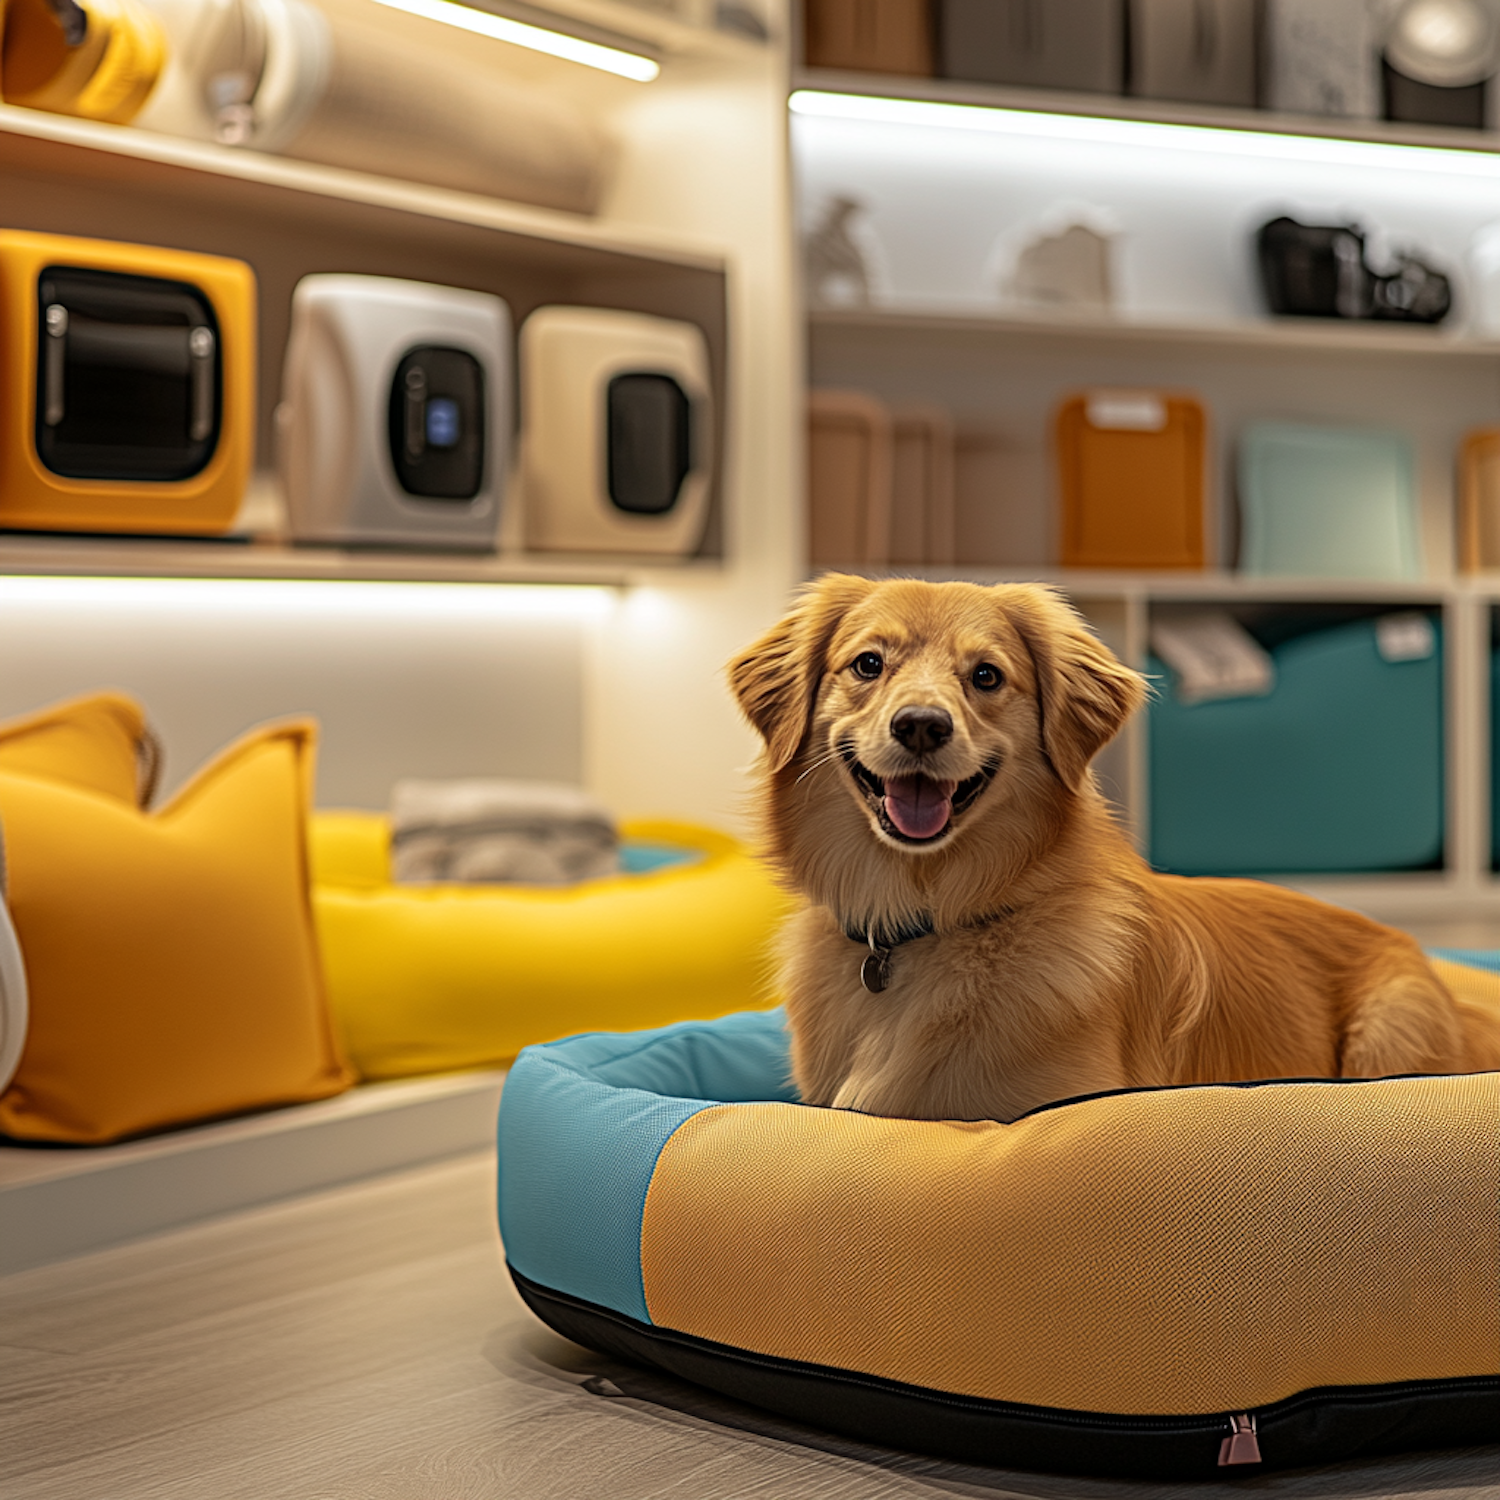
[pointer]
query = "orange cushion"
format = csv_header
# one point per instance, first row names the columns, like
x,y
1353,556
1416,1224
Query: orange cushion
x,y
171,957
99,742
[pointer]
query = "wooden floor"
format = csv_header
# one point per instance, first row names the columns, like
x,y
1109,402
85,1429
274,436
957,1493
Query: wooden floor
x,y
364,1343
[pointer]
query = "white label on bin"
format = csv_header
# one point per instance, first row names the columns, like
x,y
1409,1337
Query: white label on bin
x,y
1213,656
1127,411
1408,637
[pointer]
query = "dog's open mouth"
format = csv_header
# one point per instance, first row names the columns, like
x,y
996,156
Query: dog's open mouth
x,y
914,808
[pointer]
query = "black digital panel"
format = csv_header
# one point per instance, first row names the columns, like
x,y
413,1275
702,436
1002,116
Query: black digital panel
x,y
437,423
128,376
650,439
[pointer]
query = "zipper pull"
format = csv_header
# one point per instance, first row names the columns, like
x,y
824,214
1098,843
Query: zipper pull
x,y
1241,1446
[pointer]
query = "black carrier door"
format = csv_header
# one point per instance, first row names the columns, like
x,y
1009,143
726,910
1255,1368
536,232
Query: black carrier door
x,y
649,422
437,428
129,376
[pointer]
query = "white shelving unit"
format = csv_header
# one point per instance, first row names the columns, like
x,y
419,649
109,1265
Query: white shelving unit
x,y
289,218
693,223
937,331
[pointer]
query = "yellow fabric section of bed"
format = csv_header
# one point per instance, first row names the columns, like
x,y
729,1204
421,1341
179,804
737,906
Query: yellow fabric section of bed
x,y
428,978
1477,993
1038,1262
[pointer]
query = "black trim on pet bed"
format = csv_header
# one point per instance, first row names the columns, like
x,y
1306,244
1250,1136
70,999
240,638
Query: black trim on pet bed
x,y
1314,1427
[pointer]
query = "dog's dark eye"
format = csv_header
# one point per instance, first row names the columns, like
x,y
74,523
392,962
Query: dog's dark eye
x,y
987,678
868,665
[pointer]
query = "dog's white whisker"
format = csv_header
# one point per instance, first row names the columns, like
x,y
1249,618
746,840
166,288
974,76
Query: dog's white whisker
x,y
818,764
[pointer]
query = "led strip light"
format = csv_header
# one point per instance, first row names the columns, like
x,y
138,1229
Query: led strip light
x,y
538,39
1146,134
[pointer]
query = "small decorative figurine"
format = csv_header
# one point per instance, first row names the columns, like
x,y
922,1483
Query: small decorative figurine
x,y
838,273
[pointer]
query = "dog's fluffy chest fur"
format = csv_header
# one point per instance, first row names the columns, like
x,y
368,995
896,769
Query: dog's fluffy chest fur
x,y
985,1021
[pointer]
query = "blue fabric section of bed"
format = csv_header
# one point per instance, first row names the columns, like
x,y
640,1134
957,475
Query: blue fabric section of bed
x,y
582,1123
1475,958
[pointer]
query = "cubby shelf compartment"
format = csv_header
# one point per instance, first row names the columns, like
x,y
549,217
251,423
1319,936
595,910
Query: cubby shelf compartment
x,y
290,219
1149,111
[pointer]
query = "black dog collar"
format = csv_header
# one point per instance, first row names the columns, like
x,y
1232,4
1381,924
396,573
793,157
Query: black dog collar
x,y
875,971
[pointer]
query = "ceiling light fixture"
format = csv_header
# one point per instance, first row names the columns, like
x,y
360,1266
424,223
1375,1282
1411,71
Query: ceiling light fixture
x,y
1264,145
538,39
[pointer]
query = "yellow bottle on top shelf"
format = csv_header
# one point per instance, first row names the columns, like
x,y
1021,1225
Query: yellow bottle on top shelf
x,y
127,386
99,59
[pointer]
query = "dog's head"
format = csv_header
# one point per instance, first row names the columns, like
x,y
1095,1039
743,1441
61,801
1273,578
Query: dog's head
x,y
935,705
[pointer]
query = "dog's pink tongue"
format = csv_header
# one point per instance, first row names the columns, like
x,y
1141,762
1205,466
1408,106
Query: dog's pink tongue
x,y
918,805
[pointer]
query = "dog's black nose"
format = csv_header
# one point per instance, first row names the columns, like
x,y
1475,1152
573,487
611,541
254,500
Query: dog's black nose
x,y
921,729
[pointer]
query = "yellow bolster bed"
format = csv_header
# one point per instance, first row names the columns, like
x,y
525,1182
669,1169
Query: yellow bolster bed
x,y
428,978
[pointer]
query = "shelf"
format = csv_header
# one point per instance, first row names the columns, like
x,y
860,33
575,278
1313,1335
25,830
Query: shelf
x,y
1210,585
164,557
289,219
1299,334
1152,111
32,140
55,1204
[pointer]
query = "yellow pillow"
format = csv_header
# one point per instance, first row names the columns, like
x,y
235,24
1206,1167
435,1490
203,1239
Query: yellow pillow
x,y
171,957
100,742
423,979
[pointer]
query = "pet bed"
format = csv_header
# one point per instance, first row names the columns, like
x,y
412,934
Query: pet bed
x,y
426,978
1150,1283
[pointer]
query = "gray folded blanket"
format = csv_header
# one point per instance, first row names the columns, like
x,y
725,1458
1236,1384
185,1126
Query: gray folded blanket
x,y
481,831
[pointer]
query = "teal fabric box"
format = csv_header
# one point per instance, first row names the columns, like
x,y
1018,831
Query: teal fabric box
x,y
1340,768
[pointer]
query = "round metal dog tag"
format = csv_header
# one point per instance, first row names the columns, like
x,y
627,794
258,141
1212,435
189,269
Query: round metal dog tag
x,y
875,972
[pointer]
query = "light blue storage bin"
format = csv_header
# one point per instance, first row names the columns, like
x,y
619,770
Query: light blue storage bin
x,y
1327,502
1340,768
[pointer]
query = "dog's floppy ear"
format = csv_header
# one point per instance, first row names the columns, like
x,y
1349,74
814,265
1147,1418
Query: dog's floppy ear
x,y
776,680
1084,692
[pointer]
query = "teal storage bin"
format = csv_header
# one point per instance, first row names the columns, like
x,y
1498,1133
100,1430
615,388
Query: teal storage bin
x,y
1340,768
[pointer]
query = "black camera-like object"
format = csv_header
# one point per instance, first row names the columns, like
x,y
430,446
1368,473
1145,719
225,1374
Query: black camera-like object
x,y
1322,271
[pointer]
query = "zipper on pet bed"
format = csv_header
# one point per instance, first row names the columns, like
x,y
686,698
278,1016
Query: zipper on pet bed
x,y
1241,1446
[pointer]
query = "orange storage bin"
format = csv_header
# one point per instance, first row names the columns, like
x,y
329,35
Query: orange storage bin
x,y
1479,500
1130,480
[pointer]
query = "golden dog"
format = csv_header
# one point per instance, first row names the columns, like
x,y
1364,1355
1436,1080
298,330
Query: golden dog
x,y
979,937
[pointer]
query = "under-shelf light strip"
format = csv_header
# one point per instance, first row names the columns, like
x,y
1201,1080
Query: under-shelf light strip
x,y
1146,134
538,39
298,597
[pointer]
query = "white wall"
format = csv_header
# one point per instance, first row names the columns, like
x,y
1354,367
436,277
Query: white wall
x,y
406,679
